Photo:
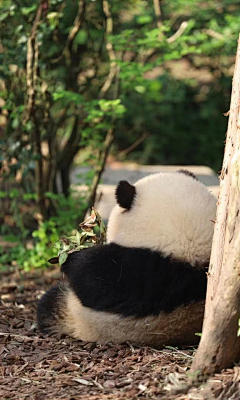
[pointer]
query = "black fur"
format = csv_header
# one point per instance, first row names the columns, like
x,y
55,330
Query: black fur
x,y
132,281
48,307
125,194
188,173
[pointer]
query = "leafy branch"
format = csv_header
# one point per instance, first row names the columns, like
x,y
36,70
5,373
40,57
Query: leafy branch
x,y
81,240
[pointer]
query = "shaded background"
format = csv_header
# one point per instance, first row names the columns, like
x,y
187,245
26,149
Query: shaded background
x,y
88,82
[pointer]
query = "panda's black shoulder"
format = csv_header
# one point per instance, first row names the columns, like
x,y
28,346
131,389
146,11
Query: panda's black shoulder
x,y
91,258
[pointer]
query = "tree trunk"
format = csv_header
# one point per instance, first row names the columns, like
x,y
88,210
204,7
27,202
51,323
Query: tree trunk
x,y
65,178
220,345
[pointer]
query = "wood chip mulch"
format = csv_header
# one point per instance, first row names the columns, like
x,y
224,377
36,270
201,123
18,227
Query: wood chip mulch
x,y
36,367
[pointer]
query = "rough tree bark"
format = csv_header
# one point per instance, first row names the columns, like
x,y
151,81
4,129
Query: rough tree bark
x,y
220,346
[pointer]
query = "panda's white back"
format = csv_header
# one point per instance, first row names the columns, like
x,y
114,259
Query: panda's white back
x,y
172,213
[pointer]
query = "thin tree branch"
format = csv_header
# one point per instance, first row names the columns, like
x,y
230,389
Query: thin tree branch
x,y
75,28
111,53
31,77
158,13
105,151
73,32
214,34
134,145
32,62
71,147
178,33
113,73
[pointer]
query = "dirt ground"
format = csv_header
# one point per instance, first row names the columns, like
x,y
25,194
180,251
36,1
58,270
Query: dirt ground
x,y
37,367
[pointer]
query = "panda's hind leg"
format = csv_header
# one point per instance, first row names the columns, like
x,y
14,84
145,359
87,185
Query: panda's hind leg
x,y
60,312
50,310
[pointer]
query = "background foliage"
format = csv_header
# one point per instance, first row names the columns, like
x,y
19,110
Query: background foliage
x,y
154,77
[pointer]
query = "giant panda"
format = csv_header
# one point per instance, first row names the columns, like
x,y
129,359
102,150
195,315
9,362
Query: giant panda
x,y
147,285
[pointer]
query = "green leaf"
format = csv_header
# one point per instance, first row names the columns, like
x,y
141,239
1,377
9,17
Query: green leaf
x,y
81,37
68,96
15,123
23,39
140,89
14,193
29,196
78,238
3,195
28,10
155,86
62,257
144,19
3,16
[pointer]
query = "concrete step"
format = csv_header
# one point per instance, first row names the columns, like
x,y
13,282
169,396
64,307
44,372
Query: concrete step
x,y
132,172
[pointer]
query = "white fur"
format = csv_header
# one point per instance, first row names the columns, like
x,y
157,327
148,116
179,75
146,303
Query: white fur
x,y
178,327
172,213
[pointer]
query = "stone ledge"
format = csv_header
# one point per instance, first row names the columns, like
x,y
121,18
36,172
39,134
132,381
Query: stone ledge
x,y
132,172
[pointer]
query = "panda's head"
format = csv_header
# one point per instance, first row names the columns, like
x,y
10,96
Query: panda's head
x,y
172,213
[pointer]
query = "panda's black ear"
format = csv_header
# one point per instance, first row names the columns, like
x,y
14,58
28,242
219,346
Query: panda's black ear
x,y
125,194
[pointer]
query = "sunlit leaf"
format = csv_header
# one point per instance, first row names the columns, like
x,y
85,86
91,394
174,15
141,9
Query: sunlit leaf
x,y
28,10
144,19
140,89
